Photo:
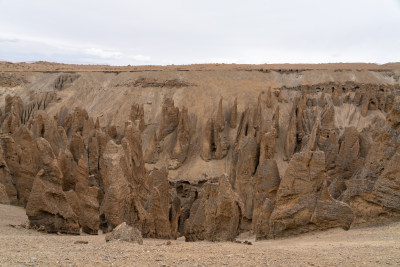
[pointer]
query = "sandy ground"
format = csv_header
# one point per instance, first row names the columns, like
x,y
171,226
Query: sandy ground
x,y
377,246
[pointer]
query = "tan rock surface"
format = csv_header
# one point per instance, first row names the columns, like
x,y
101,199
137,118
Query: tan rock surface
x,y
3,195
216,214
47,204
124,232
349,115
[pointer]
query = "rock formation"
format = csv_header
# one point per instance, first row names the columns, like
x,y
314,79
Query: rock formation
x,y
3,195
266,186
269,98
47,204
169,118
331,213
297,194
153,150
158,204
233,118
117,204
137,113
124,232
8,190
291,137
215,142
209,176
180,150
216,214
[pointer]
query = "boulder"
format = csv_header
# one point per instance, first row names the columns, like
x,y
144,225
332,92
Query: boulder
x,y
124,232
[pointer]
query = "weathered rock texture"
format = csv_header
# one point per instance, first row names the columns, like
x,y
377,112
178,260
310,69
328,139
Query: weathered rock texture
x,y
216,214
250,154
3,195
124,232
47,204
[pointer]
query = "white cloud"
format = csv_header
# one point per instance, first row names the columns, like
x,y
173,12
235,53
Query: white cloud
x,y
114,55
103,54
183,32
44,48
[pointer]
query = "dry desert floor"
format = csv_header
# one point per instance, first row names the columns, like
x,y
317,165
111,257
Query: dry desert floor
x,y
373,246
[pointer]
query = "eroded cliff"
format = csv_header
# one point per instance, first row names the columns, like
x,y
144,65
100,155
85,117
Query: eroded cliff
x,y
204,153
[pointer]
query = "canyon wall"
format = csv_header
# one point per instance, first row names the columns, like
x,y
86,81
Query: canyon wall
x,y
207,153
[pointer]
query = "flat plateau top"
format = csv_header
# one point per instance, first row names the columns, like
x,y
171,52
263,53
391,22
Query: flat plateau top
x,y
42,66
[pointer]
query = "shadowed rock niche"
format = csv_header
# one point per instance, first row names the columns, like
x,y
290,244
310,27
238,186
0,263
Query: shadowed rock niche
x,y
290,161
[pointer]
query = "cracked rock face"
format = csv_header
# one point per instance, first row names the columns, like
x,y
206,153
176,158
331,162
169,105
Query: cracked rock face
x,y
47,205
297,194
215,215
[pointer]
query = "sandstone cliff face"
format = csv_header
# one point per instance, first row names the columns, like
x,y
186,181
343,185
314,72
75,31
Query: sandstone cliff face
x,y
274,161
216,214
117,203
47,204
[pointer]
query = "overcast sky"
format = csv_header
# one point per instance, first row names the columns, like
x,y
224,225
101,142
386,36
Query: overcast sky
x,y
122,32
